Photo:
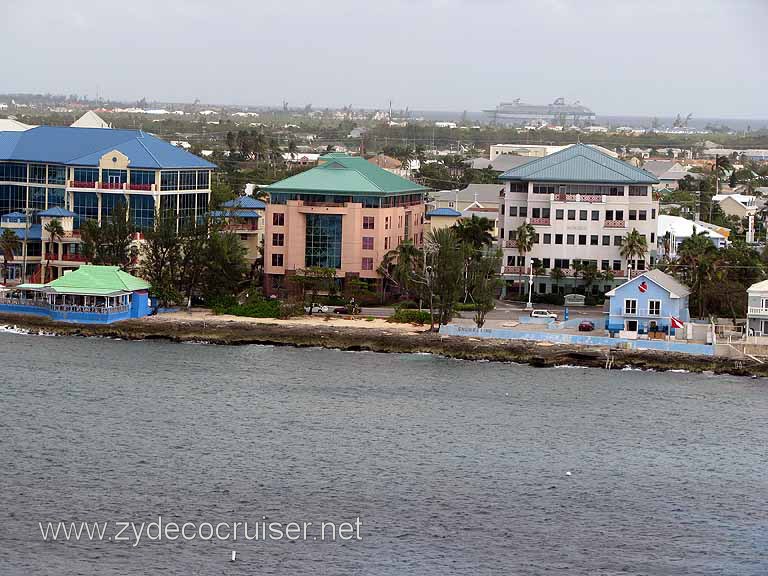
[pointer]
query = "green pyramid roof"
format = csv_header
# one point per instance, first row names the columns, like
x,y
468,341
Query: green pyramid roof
x,y
89,279
580,163
347,175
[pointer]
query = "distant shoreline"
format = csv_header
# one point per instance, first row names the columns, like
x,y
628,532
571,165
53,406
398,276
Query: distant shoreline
x,y
235,332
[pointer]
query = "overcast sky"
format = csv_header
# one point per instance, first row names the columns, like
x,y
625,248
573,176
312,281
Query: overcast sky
x,y
648,57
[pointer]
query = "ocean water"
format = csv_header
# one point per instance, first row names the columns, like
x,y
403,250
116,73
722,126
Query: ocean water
x,y
452,467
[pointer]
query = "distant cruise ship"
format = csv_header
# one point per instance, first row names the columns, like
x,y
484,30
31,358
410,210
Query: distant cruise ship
x,y
558,112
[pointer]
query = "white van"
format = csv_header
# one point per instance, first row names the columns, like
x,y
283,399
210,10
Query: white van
x,y
543,314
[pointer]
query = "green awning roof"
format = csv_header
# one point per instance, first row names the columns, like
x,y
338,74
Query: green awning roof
x,y
347,175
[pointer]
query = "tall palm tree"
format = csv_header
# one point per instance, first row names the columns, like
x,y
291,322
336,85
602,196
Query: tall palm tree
x,y
633,246
525,235
697,257
475,231
9,243
722,165
55,232
399,265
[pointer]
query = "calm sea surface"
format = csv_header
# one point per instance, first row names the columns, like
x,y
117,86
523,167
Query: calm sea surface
x,y
453,467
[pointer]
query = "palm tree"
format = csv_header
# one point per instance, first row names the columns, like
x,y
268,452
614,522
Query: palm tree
x,y
475,231
399,265
525,235
9,243
556,274
633,246
55,232
696,257
722,165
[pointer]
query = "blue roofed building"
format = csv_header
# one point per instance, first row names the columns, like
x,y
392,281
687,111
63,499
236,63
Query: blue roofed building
x,y
652,303
86,172
582,203
244,216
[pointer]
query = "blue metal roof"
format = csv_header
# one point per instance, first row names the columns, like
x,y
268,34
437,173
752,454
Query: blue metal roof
x,y
85,146
235,214
14,216
245,202
35,232
443,212
579,163
57,212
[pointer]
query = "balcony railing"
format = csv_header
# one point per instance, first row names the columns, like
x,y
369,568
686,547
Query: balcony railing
x,y
24,302
757,311
112,185
540,221
643,313
514,270
591,198
510,244
73,257
615,224
81,184
145,187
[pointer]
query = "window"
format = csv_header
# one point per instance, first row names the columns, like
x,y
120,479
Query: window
x,y
582,214
277,259
367,242
616,265
203,179
386,243
55,197
609,214
630,306
108,203
559,214
513,210
642,215
595,215
633,214
545,264
367,263
617,240
323,240
187,204
37,173
86,175
654,307
616,191
57,175
558,238
570,239
619,214
536,213
142,210
536,239
501,210
278,239
604,265
653,237
606,240
510,260
543,189
571,214
594,240
187,180
653,214
638,191
142,179
562,263
169,181
523,212
85,205
368,222
547,238
582,239
278,219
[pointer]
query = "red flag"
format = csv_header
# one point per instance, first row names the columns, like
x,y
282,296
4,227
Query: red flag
x,y
676,322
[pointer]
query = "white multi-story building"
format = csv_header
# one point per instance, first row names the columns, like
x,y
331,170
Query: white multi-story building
x,y
582,204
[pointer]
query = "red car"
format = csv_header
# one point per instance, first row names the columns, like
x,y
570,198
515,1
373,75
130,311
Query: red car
x,y
586,326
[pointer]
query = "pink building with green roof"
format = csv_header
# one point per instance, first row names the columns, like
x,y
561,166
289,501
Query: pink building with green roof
x,y
344,214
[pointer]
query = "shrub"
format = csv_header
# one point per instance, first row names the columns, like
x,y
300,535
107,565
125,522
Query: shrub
x,y
405,316
407,305
554,299
465,306
260,309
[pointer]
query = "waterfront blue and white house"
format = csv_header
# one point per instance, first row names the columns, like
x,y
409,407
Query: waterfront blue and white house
x,y
757,309
650,303
87,172
89,295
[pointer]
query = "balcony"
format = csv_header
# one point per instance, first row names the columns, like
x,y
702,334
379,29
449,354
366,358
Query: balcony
x,y
73,257
590,198
643,313
615,224
510,244
144,187
540,221
514,270
81,184
757,311
112,186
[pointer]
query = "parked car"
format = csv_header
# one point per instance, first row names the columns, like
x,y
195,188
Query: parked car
x,y
543,314
351,309
586,326
316,309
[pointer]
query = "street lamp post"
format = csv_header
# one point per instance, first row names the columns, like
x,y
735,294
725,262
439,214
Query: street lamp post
x,y
529,305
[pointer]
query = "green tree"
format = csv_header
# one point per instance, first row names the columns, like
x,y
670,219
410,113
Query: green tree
x,y
109,243
400,266
633,246
55,232
695,264
557,275
9,243
312,281
444,271
525,236
161,259
485,283
474,231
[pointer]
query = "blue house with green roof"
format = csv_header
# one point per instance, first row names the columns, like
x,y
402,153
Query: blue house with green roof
x,y
88,295
579,205
344,214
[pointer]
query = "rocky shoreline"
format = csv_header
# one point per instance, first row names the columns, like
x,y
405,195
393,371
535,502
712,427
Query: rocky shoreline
x,y
388,341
